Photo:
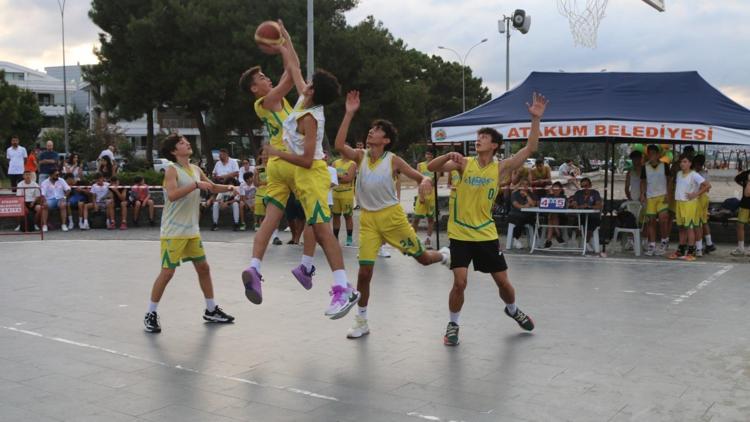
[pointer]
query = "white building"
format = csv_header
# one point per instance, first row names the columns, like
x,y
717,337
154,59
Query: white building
x,y
48,89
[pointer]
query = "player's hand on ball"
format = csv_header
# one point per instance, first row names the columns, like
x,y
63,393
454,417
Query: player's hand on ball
x,y
284,33
538,105
352,101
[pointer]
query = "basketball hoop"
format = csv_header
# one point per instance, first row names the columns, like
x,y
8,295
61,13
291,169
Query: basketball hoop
x,y
584,21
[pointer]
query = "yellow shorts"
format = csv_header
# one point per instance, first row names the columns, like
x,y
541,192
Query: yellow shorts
x,y
280,182
174,251
687,214
343,204
312,187
743,216
387,225
656,205
424,209
702,211
260,206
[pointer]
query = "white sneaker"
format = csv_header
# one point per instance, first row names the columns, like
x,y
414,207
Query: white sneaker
x,y
427,243
738,252
44,228
650,251
359,328
517,244
64,227
17,229
698,253
446,252
36,227
589,247
383,252
660,250
71,226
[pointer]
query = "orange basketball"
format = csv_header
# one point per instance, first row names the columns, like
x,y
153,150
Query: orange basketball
x,y
267,34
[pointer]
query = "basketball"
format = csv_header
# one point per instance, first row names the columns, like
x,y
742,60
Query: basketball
x,y
268,34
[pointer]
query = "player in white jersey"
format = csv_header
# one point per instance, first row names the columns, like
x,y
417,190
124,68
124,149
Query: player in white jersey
x,y
656,185
180,233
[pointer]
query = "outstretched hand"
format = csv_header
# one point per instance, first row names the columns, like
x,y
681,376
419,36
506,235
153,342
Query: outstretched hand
x,y
284,33
537,106
352,101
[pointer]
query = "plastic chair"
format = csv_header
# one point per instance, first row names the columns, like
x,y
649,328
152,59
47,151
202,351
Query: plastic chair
x,y
634,207
511,227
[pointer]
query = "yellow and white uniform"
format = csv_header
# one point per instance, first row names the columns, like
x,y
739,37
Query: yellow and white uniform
x,y
687,209
455,179
280,173
656,188
476,192
180,231
312,185
426,208
261,191
343,193
382,218
703,203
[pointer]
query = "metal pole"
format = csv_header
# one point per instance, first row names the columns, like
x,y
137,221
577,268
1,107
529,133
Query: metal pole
x,y
507,71
65,78
310,40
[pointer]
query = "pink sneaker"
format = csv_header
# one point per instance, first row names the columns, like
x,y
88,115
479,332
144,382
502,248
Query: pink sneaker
x,y
123,226
251,278
110,226
342,300
304,277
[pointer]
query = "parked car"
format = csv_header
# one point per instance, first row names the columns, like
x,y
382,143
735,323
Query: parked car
x,y
160,164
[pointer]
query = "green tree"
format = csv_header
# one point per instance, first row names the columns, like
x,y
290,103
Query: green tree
x,y
20,113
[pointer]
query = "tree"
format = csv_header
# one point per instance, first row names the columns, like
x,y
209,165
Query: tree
x,y
20,113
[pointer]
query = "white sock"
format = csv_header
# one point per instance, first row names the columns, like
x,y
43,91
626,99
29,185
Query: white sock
x,y
709,242
152,306
699,244
236,212
86,221
454,317
339,278
210,304
80,220
307,261
362,312
255,263
512,308
741,244
216,212
275,234
651,244
70,219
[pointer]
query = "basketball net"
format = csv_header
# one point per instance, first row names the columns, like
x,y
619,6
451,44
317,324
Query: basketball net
x,y
584,21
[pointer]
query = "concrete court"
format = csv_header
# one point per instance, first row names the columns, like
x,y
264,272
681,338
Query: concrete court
x,y
616,340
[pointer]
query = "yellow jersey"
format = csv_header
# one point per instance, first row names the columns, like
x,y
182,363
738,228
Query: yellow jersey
x,y
471,217
273,121
422,168
342,167
455,178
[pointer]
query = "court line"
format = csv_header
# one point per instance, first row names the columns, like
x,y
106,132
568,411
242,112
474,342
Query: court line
x,y
702,285
595,259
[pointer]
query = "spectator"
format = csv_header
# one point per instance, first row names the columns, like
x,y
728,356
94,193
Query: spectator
x,y
689,186
140,197
106,167
521,198
54,191
655,190
69,180
247,197
103,200
48,161
245,168
29,189
295,217
633,177
119,199
555,191
260,180
32,164
587,198
540,177
80,198
17,156
108,152
223,201
704,230
743,216
226,171
569,173
73,167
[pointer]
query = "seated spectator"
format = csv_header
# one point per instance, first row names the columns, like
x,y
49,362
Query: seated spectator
x,y
540,177
103,200
54,190
247,197
521,198
82,199
555,191
223,201
587,198
141,197
73,201
119,199
245,168
32,194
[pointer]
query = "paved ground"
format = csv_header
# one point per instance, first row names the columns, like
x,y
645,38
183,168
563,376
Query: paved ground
x,y
616,339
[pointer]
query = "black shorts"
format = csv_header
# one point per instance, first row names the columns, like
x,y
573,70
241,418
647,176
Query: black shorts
x,y
486,255
294,210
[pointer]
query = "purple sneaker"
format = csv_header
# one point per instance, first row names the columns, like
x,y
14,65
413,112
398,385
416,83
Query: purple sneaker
x,y
304,277
251,278
342,300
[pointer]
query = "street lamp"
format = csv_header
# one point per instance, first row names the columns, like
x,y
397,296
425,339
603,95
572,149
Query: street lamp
x,y
463,68
65,77
522,23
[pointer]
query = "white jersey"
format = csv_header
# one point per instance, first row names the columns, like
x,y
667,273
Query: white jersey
x,y
376,188
180,218
635,184
656,180
294,140
687,183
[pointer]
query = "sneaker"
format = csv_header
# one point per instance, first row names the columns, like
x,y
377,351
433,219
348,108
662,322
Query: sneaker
x,y
348,241
236,227
218,315
136,223
687,257
560,239
451,334
383,252
698,253
517,244
214,227
738,252
151,322
277,241
85,225
151,223
359,328
342,300
36,227
547,244
709,248
446,252
64,227
123,226
110,226
71,226
243,227
675,255
522,319
651,251
427,243
304,277
17,229
251,278
661,249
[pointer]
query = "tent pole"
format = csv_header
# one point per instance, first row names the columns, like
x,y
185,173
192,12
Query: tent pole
x,y
437,206
606,183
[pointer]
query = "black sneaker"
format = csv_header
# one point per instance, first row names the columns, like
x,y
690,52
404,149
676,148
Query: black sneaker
x,y
236,227
151,322
709,248
217,315
136,223
214,227
451,334
277,241
560,239
522,319
151,223
547,244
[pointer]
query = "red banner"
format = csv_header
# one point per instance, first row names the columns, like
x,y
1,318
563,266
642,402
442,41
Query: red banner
x,y
12,207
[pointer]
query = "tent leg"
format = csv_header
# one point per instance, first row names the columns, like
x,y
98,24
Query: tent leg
x,y
437,205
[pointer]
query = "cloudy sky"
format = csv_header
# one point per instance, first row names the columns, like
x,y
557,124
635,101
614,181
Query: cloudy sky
x,y
712,37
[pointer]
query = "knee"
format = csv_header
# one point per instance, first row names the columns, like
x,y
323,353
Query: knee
x,y
365,273
167,274
202,267
459,285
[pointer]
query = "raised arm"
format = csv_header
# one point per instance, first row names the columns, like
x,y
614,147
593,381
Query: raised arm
x,y
447,163
536,110
352,105
401,166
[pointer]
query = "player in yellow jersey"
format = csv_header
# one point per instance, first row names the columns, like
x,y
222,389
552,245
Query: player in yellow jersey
x,y
273,109
382,219
260,179
471,228
343,197
424,203
179,232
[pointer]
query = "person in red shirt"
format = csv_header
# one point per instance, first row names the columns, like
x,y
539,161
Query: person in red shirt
x,y
31,164
141,197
